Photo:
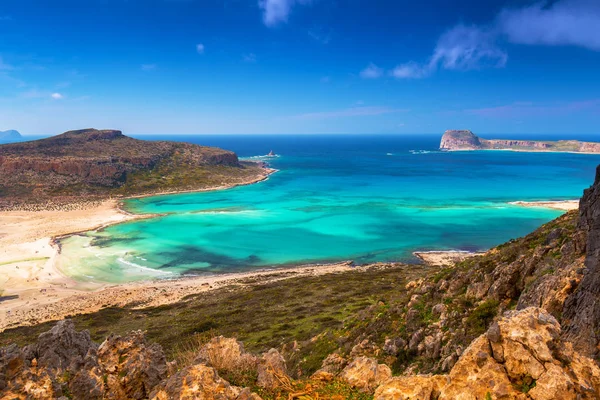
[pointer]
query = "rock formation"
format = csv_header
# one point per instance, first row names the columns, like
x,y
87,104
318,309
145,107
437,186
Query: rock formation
x,y
467,140
522,356
10,136
582,308
93,163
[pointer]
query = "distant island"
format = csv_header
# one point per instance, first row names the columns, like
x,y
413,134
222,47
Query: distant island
x,y
467,140
10,136
92,164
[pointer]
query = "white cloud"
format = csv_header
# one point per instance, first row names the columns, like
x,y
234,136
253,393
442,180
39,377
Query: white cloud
x,y
372,71
148,67
277,11
320,36
57,96
249,58
561,23
200,48
467,47
460,48
558,23
410,70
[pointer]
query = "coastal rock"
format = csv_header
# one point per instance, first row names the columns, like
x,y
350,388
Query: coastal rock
x,y
272,371
134,366
94,163
521,356
467,140
582,308
198,382
366,374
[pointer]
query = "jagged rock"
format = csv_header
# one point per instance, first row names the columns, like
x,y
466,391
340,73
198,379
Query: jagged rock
x,y
366,373
226,354
12,362
521,356
134,367
364,348
62,347
333,364
199,382
393,346
411,388
272,371
581,315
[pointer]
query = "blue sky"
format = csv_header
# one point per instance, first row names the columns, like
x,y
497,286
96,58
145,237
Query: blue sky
x,y
300,66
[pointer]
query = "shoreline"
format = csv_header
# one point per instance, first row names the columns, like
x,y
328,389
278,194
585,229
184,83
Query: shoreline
x,y
526,151
561,205
445,257
28,255
29,247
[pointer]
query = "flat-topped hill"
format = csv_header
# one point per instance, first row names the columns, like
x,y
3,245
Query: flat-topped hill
x,y
10,136
467,140
95,164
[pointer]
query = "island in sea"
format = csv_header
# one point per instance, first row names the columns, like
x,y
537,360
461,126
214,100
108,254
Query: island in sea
x,y
10,136
95,165
467,140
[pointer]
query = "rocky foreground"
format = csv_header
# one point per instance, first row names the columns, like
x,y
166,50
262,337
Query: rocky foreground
x,y
467,140
95,164
521,356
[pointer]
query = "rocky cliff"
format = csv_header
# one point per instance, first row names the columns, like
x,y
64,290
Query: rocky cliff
x,y
102,163
467,140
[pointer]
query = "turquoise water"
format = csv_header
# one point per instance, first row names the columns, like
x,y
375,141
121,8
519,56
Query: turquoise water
x,y
361,198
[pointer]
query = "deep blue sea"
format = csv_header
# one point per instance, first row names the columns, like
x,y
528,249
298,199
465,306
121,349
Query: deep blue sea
x,y
365,198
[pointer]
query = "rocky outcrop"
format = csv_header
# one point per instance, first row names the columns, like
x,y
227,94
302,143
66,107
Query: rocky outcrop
x,y
65,363
366,373
467,140
582,308
522,356
90,161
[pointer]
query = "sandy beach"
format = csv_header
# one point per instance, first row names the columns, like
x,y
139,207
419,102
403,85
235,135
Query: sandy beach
x,y
445,258
29,279
562,205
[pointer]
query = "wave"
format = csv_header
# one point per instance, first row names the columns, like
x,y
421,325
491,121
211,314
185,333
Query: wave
x,y
261,158
134,265
425,151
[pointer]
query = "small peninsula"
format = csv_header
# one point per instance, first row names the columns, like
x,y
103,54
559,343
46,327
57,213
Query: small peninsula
x,y
95,165
10,136
466,140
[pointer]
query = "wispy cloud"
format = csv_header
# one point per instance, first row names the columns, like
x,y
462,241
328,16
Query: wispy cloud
x,y
350,112
560,23
148,67
461,48
464,47
320,36
57,96
529,109
372,71
249,58
275,12
200,48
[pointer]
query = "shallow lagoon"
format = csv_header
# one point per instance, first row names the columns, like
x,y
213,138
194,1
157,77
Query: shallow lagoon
x,y
362,198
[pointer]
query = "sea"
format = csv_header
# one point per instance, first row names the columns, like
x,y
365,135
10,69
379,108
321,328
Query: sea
x,y
365,198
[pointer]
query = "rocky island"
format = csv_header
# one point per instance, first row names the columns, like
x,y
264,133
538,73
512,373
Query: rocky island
x,y
10,136
467,140
95,164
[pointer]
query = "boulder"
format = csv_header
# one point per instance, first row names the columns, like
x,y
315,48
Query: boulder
x,y
272,371
366,373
